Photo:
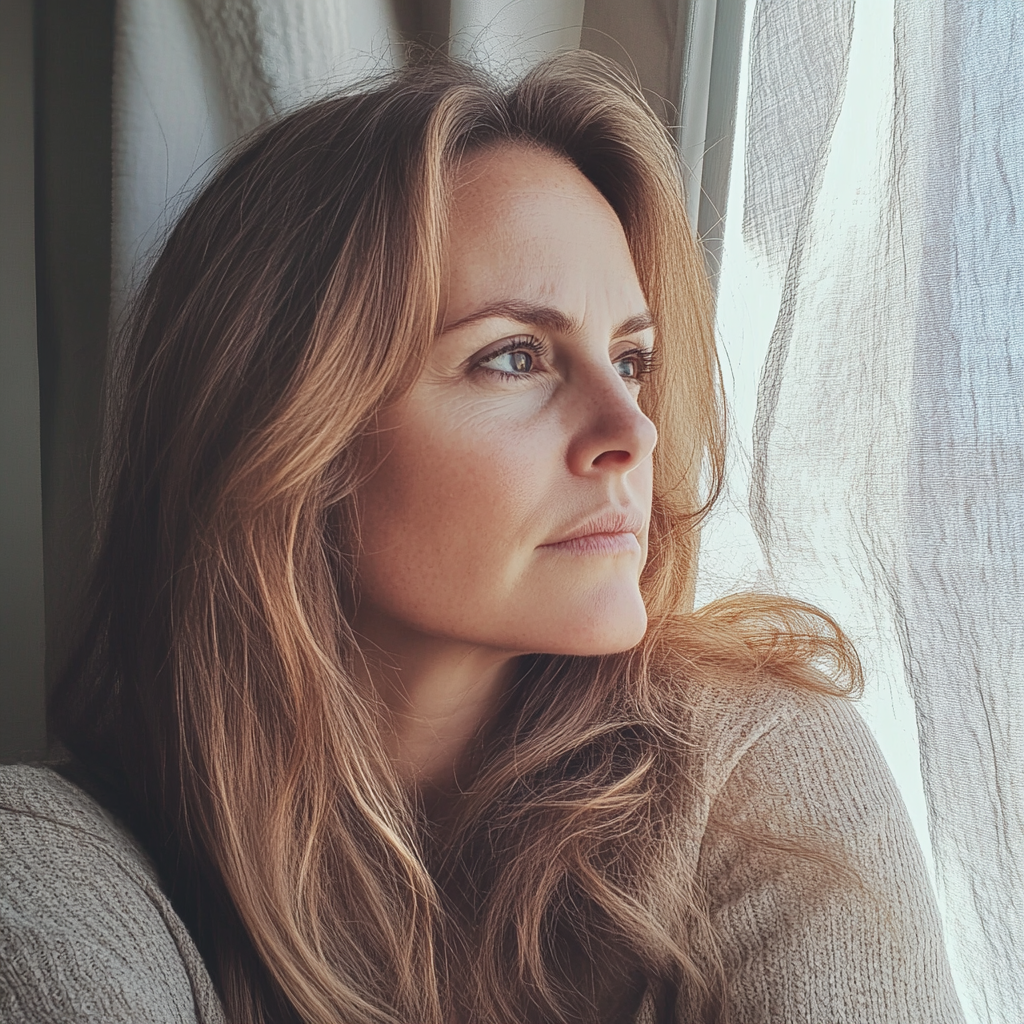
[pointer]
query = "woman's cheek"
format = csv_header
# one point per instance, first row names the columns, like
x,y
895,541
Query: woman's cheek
x,y
459,485
497,480
493,458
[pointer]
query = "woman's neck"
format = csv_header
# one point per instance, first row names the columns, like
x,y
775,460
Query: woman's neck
x,y
438,695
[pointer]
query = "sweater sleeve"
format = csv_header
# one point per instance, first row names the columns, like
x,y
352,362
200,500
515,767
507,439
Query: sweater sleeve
x,y
817,888
86,935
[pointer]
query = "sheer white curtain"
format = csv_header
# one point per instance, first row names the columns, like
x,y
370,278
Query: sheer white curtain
x,y
871,319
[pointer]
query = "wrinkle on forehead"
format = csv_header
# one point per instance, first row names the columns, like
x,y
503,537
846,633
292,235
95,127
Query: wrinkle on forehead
x,y
503,223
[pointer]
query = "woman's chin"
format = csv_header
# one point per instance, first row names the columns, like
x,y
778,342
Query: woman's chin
x,y
606,629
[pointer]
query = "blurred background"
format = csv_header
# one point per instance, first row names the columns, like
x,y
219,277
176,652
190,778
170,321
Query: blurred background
x,y
855,173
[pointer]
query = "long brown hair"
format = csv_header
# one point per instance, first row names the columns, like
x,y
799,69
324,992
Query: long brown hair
x,y
213,693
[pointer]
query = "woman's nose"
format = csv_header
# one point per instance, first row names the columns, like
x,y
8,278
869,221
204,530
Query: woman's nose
x,y
613,434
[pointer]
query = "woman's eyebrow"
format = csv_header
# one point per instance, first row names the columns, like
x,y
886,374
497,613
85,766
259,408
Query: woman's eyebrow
x,y
547,317
635,324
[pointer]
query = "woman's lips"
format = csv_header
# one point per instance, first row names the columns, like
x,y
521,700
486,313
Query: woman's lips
x,y
605,532
597,544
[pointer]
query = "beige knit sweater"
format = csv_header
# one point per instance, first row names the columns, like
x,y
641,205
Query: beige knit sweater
x,y
87,935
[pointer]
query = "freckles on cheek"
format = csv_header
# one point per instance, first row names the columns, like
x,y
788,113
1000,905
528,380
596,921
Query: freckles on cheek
x,y
479,453
486,477
448,472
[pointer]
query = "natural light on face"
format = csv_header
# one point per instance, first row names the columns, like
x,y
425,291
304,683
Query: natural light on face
x,y
512,497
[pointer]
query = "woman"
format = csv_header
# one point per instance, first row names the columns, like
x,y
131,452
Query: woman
x,y
392,668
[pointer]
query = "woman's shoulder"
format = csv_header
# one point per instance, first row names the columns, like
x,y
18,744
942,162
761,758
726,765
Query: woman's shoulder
x,y
815,882
54,834
798,762
34,798
86,932
734,722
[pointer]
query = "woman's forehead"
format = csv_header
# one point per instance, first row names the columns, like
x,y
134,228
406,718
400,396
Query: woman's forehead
x,y
501,177
528,226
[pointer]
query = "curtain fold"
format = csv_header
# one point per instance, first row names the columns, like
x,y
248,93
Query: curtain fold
x,y
873,334
961,101
192,76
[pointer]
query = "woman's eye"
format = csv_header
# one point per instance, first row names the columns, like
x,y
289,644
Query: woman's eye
x,y
627,367
516,362
635,365
524,357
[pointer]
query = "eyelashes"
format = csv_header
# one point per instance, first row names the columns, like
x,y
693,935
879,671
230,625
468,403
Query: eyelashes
x,y
645,361
517,358
525,344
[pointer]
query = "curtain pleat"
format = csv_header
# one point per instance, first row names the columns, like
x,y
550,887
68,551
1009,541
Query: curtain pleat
x,y
872,329
960,75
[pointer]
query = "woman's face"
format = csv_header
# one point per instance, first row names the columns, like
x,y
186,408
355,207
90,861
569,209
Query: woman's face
x,y
510,504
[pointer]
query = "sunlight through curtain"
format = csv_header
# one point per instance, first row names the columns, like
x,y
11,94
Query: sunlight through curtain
x,y
871,320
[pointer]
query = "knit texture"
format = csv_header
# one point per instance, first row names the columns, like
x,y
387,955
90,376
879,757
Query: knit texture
x,y
816,886
86,934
